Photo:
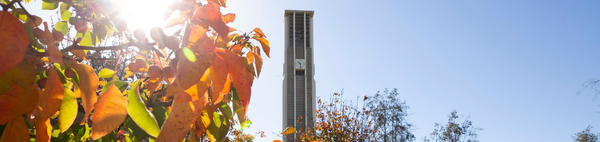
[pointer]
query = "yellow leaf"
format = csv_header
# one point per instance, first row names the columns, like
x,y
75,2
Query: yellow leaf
x,y
288,130
88,81
15,131
109,113
68,111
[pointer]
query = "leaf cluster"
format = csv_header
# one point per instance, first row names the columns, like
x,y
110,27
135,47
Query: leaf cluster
x,y
89,77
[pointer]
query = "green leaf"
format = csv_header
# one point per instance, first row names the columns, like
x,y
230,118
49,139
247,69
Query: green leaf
x,y
68,110
64,7
160,113
246,124
136,134
72,20
139,114
65,15
106,73
226,110
120,84
49,5
63,26
189,54
87,39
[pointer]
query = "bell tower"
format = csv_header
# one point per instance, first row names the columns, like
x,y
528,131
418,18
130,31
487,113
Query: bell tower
x,y
299,98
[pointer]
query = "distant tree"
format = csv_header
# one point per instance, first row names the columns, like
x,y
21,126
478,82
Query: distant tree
x,y
389,114
586,136
340,121
454,131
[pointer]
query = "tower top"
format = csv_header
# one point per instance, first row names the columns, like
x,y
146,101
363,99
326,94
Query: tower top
x,y
308,12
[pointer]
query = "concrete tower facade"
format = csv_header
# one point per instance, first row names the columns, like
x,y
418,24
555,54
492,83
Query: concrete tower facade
x,y
299,100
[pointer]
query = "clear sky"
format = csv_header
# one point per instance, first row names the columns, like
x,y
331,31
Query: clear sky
x,y
514,66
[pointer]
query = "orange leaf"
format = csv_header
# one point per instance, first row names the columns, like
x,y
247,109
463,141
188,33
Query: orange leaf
x,y
241,79
259,32
250,57
212,16
15,131
109,113
259,61
228,18
43,130
203,121
89,83
14,41
14,103
188,72
219,77
49,102
265,44
54,54
180,120
152,85
79,53
219,2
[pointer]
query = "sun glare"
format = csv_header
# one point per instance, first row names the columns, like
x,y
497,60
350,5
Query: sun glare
x,y
145,14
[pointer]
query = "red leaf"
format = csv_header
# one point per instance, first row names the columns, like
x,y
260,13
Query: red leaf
x,y
15,131
219,77
49,102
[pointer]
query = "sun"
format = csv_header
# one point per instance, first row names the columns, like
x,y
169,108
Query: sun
x,y
145,14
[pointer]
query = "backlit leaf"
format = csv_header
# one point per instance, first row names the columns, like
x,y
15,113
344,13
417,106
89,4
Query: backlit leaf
x,y
88,81
63,27
120,84
259,32
265,45
54,54
14,103
106,73
14,41
78,53
241,79
109,112
52,97
212,16
139,114
189,73
203,121
15,131
49,6
259,62
288,130
219,77
65,15
43,130
180,120
228,18
68,110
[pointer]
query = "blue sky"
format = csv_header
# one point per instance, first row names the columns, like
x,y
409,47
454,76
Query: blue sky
x,y
513,66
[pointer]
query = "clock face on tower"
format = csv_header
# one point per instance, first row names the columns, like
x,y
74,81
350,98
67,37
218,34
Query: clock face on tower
x,y
300,64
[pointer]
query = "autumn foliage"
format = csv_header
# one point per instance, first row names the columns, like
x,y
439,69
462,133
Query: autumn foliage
x,y
88,76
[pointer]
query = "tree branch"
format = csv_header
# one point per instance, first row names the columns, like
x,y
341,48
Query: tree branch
x,y
100,48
